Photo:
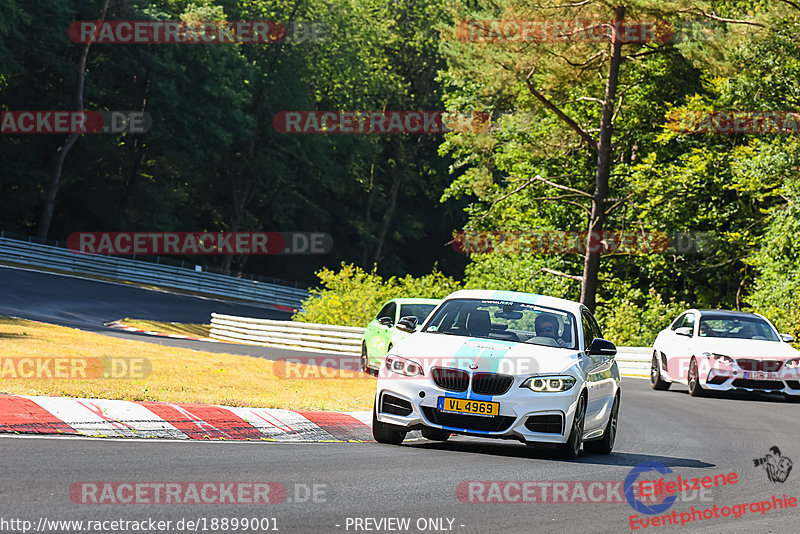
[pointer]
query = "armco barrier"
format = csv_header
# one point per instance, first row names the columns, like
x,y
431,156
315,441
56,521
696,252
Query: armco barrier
x,y
29,253
632,361
287,334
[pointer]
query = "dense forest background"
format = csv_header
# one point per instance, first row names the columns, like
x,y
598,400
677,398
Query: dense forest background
x,y
212,160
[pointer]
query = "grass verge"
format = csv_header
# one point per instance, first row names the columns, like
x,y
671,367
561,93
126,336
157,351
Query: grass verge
x,y
178,375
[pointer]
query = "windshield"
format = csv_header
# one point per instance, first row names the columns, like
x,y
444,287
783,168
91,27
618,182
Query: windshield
x,y
495,319
420,311
737,327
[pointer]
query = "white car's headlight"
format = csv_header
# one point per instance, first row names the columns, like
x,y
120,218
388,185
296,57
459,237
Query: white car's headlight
x,y
792,364
719,357
549,383
403,366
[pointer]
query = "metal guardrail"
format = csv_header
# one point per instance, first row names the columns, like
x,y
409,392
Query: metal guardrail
x,y
632,361
36,254
287,334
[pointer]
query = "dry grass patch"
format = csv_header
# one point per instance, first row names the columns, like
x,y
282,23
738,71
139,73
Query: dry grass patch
x,y
178,375
184,329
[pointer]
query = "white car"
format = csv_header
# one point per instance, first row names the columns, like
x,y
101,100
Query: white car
x,y
723,350
502,364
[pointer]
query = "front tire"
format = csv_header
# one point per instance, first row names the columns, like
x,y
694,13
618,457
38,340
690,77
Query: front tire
x,y
435,434
693,380
384,432
606,444
365,361
364,358
572,447
656,382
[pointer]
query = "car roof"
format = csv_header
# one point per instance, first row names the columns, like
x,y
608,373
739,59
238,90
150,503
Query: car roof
x,y
517,296
726,313
408,300
729,314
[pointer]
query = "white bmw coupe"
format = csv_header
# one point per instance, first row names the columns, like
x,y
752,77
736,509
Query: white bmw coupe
x,y
722,350
502,364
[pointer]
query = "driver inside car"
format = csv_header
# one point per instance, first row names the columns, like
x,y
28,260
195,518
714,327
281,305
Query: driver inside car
x,y
547,326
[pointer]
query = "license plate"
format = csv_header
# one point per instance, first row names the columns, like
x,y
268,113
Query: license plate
x,y
469,406
759,375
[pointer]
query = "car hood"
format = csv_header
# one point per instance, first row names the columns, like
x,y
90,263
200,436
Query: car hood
x,y
487,355
746,348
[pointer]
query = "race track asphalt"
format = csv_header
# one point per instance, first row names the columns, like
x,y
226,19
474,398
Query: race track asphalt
x,y
694,437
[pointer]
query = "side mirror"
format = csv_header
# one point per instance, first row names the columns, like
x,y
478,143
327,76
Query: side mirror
x,y
385,321
602,347
787,338
407,324
684,331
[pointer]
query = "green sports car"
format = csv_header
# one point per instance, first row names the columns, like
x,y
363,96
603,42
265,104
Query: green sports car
x,y
382,332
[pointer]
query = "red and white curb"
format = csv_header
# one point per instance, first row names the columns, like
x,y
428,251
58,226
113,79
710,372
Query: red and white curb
x,y
23,414
121,326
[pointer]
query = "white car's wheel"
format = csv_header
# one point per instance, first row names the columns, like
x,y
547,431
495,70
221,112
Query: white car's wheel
x,y
656,382
386,433
572,447
693,380
605,444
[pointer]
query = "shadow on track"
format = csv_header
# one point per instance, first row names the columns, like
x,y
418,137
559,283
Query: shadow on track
x,y
753,396
547,452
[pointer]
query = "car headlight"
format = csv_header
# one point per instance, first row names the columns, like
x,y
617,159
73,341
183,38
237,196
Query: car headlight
x,y
727,360
793,364
551,384
403,366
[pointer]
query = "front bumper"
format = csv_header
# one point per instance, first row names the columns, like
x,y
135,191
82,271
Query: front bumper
x,y
717,376
419,396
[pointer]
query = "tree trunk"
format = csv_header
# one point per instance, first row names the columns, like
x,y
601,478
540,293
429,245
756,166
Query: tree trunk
x,y
591,264
240,200
397,179
62,151
368,214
